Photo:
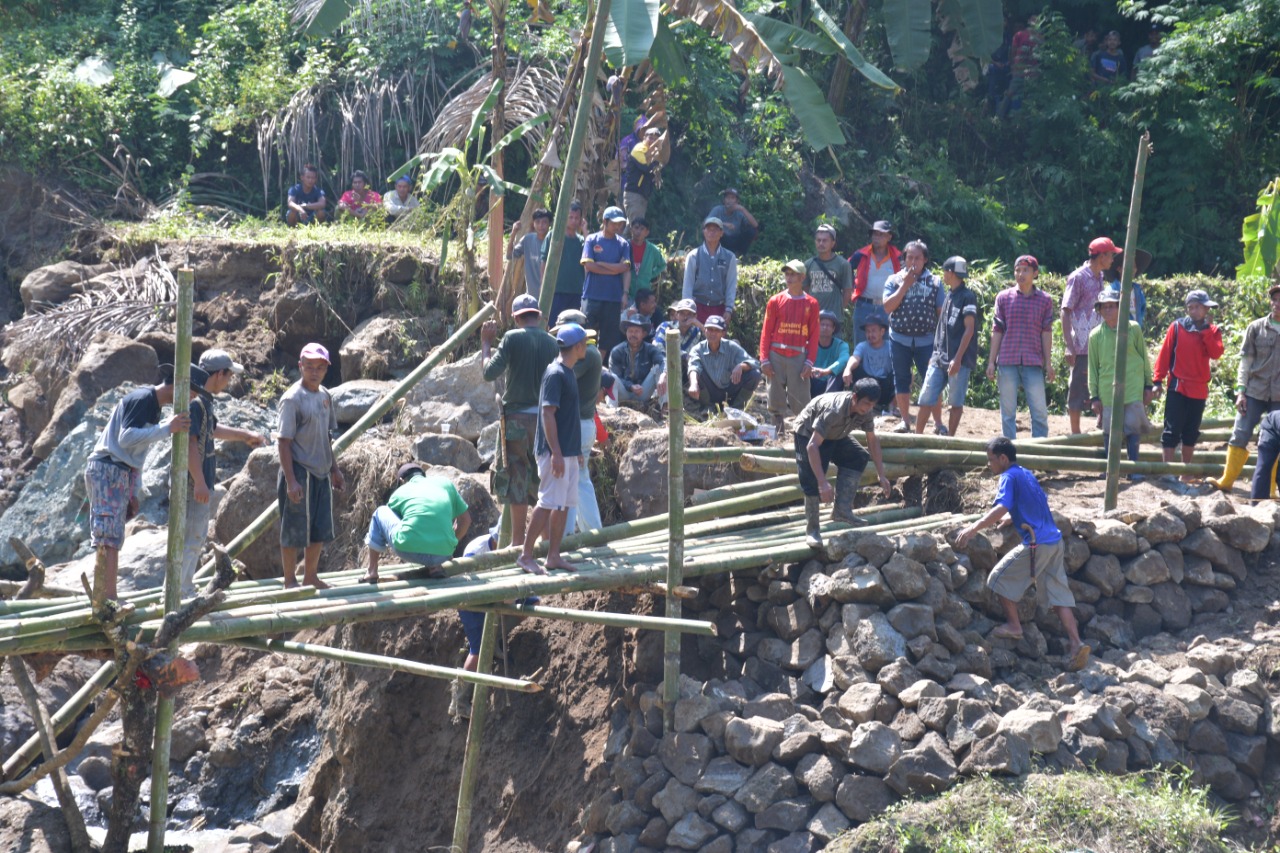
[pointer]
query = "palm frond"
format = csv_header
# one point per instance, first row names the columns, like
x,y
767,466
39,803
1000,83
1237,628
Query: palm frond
x,y
748,50
531,91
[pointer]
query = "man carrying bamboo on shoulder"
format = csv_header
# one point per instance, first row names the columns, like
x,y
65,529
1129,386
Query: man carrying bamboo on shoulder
x,y
822,436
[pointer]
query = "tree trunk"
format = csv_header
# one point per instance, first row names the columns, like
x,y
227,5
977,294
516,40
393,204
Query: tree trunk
x,y
854,18
497,123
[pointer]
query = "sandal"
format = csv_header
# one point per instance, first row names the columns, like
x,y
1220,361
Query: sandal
x,y
1079,660
1000,632
370,579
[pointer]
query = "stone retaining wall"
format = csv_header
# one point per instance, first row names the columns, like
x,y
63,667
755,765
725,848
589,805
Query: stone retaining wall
x,y
842,687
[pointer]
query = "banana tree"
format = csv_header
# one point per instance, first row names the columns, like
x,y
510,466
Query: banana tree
x,y
1260,234
473,172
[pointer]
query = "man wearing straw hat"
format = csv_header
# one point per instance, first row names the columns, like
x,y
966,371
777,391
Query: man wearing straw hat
x,y
421,522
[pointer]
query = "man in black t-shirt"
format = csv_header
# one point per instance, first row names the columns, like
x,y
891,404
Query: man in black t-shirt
x,y
306,202
955,348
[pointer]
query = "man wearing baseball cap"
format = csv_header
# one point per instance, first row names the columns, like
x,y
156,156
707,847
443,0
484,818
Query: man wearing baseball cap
x,y
1190,344
720,371
421,522
828,277
202,462
955,348
1257,387
522,355
606,257
589,371
789,345
559,451
872,265
711,273
1138,388
1079,320
740,227
309,471
1022,348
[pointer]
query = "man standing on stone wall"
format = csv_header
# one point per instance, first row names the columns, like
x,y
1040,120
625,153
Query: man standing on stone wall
x,y
1257,387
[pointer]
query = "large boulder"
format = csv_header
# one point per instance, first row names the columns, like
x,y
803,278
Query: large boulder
x,y
642,470
143,558
353,398
447,449
385,347
50,286
110,361
1041,730
454,394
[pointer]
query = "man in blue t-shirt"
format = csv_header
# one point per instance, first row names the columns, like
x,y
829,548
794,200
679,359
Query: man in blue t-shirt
x,y
1038,559
558,446
606,257
306,202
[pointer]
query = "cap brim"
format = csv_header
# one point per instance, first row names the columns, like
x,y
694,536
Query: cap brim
x,y
517,313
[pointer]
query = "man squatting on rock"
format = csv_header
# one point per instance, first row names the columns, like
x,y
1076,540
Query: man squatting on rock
x,y
114,473
421,522
1040,557
217,367
822,437
308,469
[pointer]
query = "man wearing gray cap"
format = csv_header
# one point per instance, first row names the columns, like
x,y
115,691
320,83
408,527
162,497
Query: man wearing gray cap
x,y
720,371
1190,346
606,257
711,274
202,460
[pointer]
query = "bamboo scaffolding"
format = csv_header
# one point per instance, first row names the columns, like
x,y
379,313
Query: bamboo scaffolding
x,y
62,718
475,735
268,516
897,459
611,620
354,658
675,537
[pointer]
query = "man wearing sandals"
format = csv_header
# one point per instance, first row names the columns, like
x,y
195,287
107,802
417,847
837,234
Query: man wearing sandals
x,y
421,522
1039,559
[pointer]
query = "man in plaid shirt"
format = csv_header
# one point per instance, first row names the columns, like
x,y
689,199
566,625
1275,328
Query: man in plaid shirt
x,y
1022,348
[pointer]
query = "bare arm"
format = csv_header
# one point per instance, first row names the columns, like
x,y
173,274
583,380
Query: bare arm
x,y
253,439
991,519
996,337
1046,344
964,345
285,447
461,525
195,470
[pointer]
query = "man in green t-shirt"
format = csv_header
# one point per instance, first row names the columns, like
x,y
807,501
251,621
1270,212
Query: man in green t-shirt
x,y
422,522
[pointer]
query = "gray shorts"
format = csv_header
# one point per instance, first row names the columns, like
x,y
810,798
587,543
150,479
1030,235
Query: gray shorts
x,y
1078,390
310,520
1012,575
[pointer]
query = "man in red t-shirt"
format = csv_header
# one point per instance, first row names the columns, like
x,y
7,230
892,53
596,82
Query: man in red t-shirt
x,y
789,345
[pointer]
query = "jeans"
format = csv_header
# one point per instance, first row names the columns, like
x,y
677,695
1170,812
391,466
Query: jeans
x,y
1268,453
382,528
623,390
1031,379
586,515
1245,424
862,308
939,377
904,358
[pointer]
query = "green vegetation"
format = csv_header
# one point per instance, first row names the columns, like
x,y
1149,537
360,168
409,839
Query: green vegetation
x,y
1159,813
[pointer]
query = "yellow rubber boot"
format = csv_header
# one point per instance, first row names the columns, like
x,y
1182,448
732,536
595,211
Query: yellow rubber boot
x,y
1271,494
1236,457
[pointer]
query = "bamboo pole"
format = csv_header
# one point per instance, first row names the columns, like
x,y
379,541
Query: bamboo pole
x,y
268,516
610,620
577,140
176,546
315,650
62,718
475,736
1116,427
710,455
675,537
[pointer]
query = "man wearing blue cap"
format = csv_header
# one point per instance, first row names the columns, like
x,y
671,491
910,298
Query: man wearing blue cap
x,y
606,257
558,445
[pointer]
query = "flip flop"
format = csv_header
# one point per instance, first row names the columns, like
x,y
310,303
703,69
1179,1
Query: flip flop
x,y
1079,660
1002,633
370,579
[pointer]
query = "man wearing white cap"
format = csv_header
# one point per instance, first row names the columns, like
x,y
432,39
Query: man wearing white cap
x,y
606,257
202,462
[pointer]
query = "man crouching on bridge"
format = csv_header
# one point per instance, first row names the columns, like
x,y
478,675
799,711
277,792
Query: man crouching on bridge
x,y
1018,494
822,437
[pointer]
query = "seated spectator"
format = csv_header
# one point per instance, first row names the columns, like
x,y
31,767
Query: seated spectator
x,y
529,249
643,166
358,200
1154,37
641,311
833,354
305,202
646,258
400,201
639,367
872,358
720,371
1108,64
740,227
686,324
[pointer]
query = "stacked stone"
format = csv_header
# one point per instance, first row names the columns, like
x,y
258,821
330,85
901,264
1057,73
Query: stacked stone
x,y
837,689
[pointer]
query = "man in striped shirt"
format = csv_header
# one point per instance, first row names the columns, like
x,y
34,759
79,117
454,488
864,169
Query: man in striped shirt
x,y
1022,348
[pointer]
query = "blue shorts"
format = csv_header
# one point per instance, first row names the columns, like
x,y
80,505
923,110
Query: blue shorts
x,y
936,378
473,624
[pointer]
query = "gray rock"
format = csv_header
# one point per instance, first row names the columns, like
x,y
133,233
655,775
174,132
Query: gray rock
x,y
1197,570
691,832
597,811
1173,558
858,703
1147,569
1237,716
1197,702
675,800
897,677
861,584
1242,532
690,712
1220,773
820,775
1040,729
1103,571
1206,600
1075,553
863,798
1003,753
913,620
654,833
796,842
1146,672
922,689
791,621
351,400
385,347
772,706
752,740
1161,526
487,444
723,776
625,817
907,579
685,755
921,547
1110,536
456,394
876,643
827,823
1173,605
875,549
1248,752
451,450
927,769
187,738
731,816
1114,631
784,815
972,721
51,285
1205,543
95,771
1212,659
874,747
770,783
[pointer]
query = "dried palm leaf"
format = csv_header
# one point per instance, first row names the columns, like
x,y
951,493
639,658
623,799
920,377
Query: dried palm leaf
x,y
530,92
747,49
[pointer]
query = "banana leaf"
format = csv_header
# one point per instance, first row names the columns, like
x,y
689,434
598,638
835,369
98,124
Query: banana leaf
x,y
818,121
321,17
666,56
908,24
874,75
630,31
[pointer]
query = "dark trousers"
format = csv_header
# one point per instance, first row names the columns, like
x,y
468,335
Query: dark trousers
x,y
742,240
1182,417
826,384
603,317
562,301
845,452
1268,454
886,385
736,394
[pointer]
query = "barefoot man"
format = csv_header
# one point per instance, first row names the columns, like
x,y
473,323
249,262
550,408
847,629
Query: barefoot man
x,y
1038,559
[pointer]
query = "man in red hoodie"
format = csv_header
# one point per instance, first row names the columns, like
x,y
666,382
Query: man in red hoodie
x,y
789,344
872,266
1189,345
